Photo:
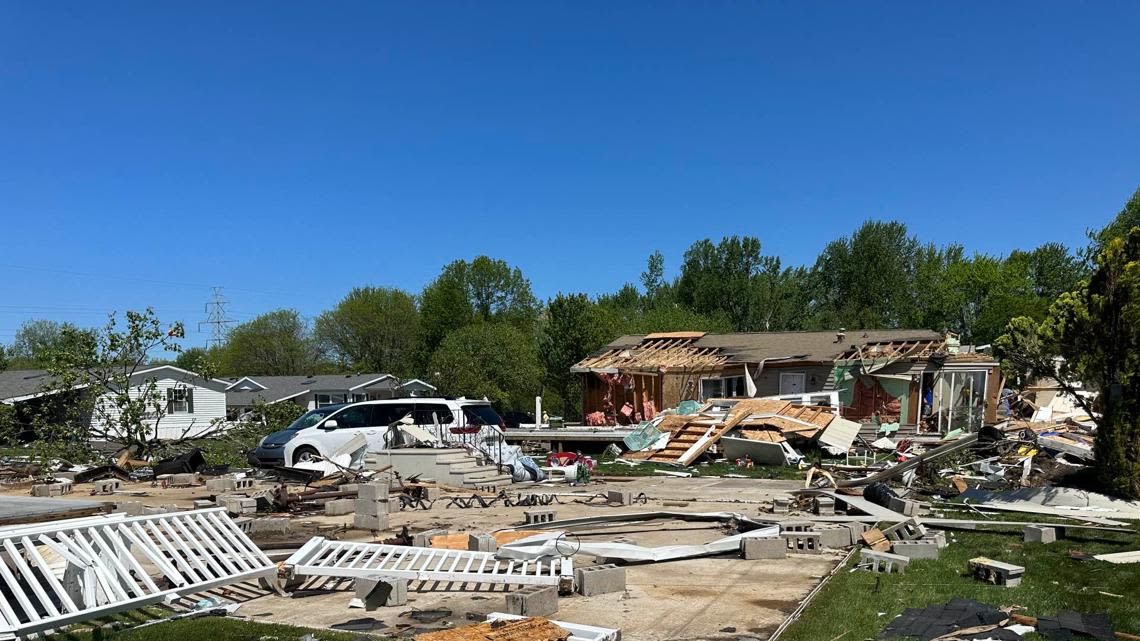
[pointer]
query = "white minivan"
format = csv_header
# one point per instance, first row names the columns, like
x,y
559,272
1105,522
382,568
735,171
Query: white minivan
x,y
324,430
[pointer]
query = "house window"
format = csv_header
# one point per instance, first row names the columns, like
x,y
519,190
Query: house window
x,y
960,399
727,387
321,400
179,400
356,398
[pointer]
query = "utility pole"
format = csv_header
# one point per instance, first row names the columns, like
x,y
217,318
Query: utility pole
x,y
216,317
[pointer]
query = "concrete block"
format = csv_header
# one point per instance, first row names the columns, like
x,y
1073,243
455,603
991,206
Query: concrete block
x,y
757,548
856,530
938,536
201,504
270,525
51,489
823,505
533,601
371,508
1040,534
370,521
108,486
375,491
920,549
883,561
906,507
238,505
377,591
340,507
619,497
64,476
802,542
132,508
995,572
220,485
908,530
243,484
797,526
178,480
538,516
482,543
432,493
599,579
423,539
243,523
781,506
835,537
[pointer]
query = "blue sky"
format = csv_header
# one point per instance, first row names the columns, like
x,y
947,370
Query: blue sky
x,y
291,151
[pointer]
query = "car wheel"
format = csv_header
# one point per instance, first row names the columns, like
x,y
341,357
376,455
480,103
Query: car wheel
x,y
305,455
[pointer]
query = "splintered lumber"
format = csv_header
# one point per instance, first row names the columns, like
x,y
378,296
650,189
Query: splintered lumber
x,y
532,629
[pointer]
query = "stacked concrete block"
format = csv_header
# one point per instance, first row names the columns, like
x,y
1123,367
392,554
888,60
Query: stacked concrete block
x,y
538,516
238,505
883,561
835,537
823,505
797,526
377,591
533,601
51,489
340,507
755,548
108,486
482,543
371,506
918,549
423,539
802,542
619,497
599,579
996,572
221,485
1040,534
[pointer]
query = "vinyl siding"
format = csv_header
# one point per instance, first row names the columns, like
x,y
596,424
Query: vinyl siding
x,y
208,405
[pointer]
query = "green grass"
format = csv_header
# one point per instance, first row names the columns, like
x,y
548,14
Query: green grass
x,y
849,606
213,629
610,468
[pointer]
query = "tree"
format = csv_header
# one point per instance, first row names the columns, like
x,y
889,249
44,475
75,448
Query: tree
x,y
653,278
731,277
35,341
95,386
1095,332
492,360
278,343
372,329
1125,220
199,360
574,326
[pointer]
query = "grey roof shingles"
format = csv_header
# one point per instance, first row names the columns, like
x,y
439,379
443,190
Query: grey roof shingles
x,y
22,382
281,387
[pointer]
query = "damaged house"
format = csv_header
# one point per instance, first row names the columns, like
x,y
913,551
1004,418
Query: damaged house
x,y
920,381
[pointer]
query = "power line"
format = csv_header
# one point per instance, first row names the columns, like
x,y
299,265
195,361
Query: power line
x,y
216,317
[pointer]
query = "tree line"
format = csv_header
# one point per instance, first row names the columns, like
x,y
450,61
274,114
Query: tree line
x,y
478,329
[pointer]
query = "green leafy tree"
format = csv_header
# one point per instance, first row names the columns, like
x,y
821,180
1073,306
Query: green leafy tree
x,y
492,360
653,278
278,343
1128,218
574,326
1095,330
199,360
35,341
733,278
372,329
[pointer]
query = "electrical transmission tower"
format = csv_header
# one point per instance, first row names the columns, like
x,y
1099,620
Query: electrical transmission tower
x,y
216,318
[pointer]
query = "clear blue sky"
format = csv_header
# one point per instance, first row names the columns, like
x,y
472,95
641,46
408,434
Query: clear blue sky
x,y
290,151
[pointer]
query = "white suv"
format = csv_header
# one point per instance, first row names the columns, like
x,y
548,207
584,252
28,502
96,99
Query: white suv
x,y
472,421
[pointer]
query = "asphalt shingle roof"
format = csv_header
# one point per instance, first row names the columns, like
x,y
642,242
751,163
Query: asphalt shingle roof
x,y
279,387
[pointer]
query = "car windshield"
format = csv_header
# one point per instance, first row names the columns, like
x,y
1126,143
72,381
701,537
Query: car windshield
x,y
481,415
309,419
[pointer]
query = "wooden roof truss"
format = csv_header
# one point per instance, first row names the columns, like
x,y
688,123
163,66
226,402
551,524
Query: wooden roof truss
x,y
655,354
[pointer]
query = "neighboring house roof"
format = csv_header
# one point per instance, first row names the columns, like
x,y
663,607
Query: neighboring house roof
x,y
20,385
698,351
271,389
415,382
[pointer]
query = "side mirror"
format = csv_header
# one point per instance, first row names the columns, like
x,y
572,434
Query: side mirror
x,y
329,424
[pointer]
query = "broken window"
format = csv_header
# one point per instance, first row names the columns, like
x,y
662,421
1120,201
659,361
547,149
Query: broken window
x,y
960,399
727,387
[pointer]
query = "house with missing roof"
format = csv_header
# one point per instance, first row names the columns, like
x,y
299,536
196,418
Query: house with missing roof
x,y
190,405
311,392
921,381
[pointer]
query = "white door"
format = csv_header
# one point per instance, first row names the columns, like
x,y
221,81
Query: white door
x,y
791,383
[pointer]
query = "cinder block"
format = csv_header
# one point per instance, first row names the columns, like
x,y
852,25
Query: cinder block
x,y
533,601
938,536
482,543
619,497
906,507
538,516
183,479
1040,534
375,491
376,591
432,493
883,561
995,572
823,505
51,489
908,530
238,505
108,486
270,525
755,548
835,537
802,542
599,579
797,526
132,508
243,484
64,476
920,549
220,485
370,521
781,506
857,530
340,507
423,539
371,508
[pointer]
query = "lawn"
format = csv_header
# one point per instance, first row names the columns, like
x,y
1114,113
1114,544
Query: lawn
x,y
610,468
215,629
858,605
